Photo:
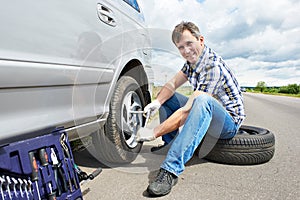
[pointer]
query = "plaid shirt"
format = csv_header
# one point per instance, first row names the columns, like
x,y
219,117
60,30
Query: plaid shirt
x,y
210,74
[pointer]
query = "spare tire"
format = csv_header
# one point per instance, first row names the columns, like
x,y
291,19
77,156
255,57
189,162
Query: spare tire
x,y
251,145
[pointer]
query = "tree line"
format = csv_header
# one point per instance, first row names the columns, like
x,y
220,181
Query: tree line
x,y
289,89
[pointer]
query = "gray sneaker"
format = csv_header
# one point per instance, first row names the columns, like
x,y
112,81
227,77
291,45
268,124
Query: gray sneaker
x,y
163,183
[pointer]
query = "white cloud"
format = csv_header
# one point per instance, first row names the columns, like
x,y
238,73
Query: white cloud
x,y
165,65
250,34
273,73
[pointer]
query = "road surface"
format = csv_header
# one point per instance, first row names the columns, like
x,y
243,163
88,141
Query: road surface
x,y
277,179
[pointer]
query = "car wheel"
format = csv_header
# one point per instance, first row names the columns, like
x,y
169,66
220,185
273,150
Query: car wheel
x,y
251,145
117,143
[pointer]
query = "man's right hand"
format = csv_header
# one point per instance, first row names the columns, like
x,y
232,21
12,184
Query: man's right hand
x,y
152,107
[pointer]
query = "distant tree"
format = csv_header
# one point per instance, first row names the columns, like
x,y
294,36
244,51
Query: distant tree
x,y
273,89
261,86
290,89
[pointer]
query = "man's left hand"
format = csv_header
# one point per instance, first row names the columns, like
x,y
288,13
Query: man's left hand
x,y
145,134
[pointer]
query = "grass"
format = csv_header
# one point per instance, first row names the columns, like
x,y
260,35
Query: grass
x,y
188,90
185,90
275,93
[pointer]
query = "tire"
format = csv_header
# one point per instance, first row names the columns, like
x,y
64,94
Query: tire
x,y
251,145
116,144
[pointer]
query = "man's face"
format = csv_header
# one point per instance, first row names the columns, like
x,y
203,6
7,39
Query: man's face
x,y
189,47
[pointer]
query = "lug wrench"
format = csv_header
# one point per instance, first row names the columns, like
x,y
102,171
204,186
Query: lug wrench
x,y
147,115
147,118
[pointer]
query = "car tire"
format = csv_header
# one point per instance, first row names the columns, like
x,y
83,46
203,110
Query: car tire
x,y
251,145
116,143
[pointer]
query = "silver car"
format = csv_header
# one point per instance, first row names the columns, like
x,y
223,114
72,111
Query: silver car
x,y
80,65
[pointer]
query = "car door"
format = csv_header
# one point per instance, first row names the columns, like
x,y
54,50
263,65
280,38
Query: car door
x,y
57,60
134,29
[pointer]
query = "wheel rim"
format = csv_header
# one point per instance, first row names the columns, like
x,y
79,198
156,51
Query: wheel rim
x,y
131,118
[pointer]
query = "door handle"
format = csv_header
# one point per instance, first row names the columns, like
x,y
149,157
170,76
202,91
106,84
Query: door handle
x,y
106,15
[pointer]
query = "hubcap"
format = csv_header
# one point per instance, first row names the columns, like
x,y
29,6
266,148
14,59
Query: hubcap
x,y
131,118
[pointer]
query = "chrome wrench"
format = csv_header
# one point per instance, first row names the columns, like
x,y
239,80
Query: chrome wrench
x,y
147,115
2,180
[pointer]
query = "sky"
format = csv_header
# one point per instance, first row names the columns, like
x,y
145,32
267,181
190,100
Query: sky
x,y
259,40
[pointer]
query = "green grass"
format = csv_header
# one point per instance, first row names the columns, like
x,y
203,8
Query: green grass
x,y
185,90
188,90
275,93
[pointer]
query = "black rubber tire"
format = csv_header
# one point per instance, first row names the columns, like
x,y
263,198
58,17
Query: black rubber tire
x,y
251,145
109,144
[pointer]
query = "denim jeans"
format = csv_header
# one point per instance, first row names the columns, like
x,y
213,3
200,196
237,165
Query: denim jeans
x,y
207,116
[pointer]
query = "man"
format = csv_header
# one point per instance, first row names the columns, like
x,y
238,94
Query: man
x,y
216,106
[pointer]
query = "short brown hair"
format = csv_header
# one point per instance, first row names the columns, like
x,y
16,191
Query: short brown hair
x,y
178,30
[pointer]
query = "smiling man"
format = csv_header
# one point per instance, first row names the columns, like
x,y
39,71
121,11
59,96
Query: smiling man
x,y
215,108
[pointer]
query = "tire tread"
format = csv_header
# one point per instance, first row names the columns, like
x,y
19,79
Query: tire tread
x,y
245,149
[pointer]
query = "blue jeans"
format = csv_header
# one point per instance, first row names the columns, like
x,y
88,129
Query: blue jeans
x,y
207,115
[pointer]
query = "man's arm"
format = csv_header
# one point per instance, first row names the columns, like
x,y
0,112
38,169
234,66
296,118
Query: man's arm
x,y
169,88
177,119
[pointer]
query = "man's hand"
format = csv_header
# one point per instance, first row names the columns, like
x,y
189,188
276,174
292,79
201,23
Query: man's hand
x,y
145,134
152,107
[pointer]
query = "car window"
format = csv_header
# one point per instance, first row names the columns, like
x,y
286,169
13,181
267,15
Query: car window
x,y
134,4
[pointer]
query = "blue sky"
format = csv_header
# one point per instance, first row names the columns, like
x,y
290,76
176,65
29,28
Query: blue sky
x,y
259,40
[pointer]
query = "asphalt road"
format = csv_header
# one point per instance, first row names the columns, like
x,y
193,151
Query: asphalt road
x,y
277,179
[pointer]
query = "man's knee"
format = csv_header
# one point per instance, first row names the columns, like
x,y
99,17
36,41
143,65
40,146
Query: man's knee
x,y
203,100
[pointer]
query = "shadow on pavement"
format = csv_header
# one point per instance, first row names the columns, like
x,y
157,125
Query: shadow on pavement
x,y
146,161
84,158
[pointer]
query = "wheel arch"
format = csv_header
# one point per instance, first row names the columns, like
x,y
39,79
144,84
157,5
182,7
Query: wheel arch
x,y
135,69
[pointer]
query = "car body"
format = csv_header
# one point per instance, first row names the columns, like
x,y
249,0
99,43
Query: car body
x,y
60,62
